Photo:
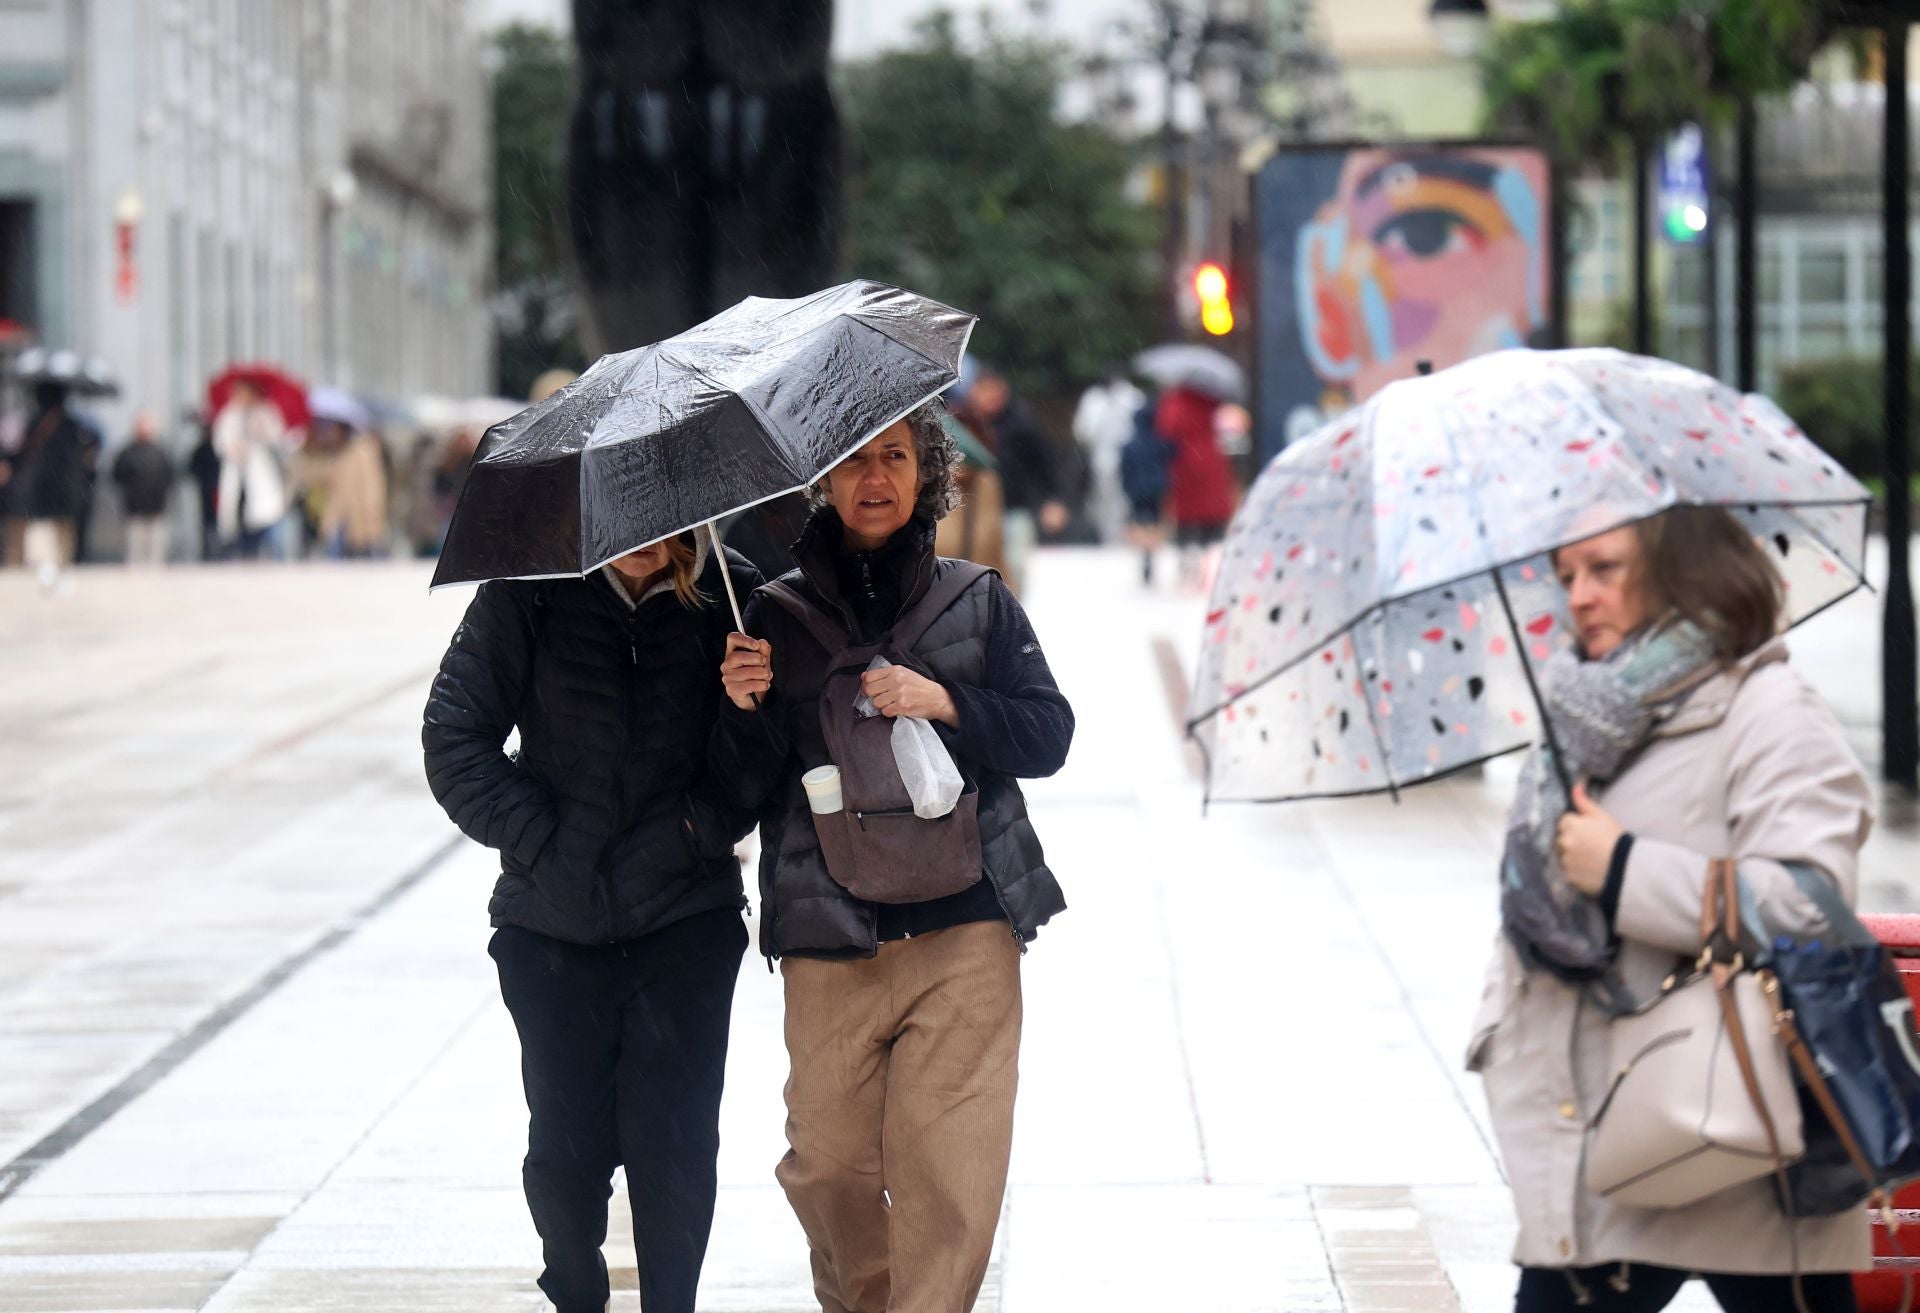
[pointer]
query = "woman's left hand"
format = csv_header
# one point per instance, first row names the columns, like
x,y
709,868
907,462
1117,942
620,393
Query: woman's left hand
x,y
1584,842
898,691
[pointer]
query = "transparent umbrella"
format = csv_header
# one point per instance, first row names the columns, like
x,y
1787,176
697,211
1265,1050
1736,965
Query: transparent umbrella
x,y
1385,593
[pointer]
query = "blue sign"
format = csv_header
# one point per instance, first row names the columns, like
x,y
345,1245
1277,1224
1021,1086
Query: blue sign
x,y
1682,194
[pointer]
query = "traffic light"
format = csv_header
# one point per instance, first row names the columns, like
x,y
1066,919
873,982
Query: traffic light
x,y
1216,311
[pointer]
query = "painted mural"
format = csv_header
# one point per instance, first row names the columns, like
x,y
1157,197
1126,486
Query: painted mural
x,y
1376,258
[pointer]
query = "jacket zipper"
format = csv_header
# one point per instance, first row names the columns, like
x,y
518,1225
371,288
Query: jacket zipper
x,y
604,874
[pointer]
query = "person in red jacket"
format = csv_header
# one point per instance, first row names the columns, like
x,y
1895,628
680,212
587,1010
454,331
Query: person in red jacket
x,y
1202,490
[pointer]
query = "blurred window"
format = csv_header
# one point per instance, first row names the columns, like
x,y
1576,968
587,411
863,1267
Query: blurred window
x,y
1690,275
1688,346
1823,275
1823,341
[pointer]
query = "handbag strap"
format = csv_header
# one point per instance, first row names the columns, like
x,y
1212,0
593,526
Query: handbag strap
x,y
1720,912
1804,1063
1720,955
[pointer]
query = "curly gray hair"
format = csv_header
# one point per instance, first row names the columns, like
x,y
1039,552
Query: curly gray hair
x,y
936,454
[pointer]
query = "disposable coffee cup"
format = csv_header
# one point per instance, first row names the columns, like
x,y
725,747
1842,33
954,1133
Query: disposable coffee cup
x,y
822,784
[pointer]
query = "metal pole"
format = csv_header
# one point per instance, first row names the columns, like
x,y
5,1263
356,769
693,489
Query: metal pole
x,y
1642,251
1746,252
1170,178
1900,720
1710,254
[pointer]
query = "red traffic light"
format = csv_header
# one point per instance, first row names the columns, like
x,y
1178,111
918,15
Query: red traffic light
x,y
1210,286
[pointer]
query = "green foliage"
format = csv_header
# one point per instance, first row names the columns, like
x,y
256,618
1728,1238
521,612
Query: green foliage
x,y
966,186
1600,71
1839,405
532,101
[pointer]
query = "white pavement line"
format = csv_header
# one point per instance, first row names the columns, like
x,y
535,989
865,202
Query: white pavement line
x,y
23,1167
1389,965
1173,682
400,1096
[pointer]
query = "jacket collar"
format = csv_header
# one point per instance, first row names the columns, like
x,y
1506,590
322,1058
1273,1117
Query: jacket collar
x,y
1708,704
909,552
702,553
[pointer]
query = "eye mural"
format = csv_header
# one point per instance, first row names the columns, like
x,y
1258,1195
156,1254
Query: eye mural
x,y
1373,260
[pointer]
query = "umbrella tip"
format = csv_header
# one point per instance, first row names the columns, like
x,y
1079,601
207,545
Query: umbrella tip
x,y
1425,367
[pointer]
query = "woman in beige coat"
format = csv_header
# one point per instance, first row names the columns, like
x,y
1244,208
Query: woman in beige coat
x,y
1747,763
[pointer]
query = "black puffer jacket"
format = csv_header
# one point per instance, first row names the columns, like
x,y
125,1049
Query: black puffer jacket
x,y
607,825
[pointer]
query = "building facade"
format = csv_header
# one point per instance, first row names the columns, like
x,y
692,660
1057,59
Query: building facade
x,y
189,183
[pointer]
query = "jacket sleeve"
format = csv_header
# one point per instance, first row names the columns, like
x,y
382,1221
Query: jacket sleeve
x,y
747,754
470,712
1795,793
1018,723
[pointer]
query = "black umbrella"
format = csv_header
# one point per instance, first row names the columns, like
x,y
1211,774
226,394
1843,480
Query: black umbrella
x,y
756,402
85,376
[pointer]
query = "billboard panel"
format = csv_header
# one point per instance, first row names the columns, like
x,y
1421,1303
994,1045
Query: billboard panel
x,y
1374,258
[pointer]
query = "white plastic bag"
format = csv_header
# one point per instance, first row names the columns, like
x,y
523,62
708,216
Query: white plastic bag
x,y
927,769
862,704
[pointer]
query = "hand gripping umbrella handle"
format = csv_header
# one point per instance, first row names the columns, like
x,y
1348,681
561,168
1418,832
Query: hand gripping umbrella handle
x,y
726,578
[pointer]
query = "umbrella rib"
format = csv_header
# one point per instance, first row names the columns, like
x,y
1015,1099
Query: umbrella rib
x,y
908,346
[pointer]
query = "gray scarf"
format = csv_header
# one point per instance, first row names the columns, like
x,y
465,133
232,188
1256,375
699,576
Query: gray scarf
x,y
1602,712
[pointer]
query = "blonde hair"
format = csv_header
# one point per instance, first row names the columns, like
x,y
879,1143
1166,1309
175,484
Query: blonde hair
x,y
683,559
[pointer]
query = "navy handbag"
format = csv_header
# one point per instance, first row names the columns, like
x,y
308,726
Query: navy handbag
x,y
1849,1027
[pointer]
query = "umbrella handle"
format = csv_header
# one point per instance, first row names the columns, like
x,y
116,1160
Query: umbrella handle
x,y
1539,702
726,575
726,578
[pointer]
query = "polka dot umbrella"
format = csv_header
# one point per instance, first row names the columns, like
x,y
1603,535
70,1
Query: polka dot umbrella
x,y
1385,595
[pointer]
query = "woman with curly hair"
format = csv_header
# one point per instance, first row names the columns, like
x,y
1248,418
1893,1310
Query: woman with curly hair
x,y
903,1018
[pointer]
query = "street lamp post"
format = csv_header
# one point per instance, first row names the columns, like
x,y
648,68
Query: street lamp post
x,y
1899,696
1900,728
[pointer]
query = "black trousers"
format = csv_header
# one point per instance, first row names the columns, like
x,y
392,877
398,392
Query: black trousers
x,y
1650,1289
623,1050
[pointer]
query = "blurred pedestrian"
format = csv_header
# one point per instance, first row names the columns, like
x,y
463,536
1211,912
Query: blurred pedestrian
x,y
1146,465
1103,425
203,466
1030,482
249,436
1695,741
92,443
144,475
50,476
1201,492
617,912
903,1017
354,521
13,431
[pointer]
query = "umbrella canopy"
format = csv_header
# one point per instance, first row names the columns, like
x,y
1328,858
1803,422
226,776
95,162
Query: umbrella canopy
x,y
283,391
1201,368
338,406
758,401
86,376
1385,593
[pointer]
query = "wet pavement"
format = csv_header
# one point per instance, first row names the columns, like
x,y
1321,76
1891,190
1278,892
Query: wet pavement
x,y
252,1055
